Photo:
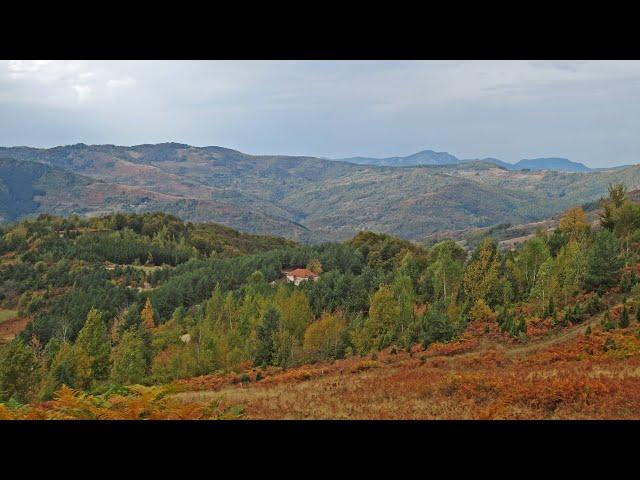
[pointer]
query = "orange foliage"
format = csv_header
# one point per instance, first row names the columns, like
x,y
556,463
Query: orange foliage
x,y
139,403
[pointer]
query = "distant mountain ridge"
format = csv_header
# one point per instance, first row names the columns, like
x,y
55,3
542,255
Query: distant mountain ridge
x,y
430,157
425,157
302,198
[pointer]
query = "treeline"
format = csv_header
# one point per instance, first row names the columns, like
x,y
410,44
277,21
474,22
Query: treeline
x,y
150,238
375,291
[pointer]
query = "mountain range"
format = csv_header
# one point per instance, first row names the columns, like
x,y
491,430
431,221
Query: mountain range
x,y
303,198
429,157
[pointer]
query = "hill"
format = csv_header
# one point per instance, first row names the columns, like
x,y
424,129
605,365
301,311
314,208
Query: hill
x,y
28,188
429,157
559,164
306,198
146,316
425,157
481,377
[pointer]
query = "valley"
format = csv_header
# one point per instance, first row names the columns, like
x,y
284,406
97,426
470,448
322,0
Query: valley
x,y
303,198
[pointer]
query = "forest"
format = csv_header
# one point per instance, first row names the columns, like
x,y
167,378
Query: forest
x,y
122,304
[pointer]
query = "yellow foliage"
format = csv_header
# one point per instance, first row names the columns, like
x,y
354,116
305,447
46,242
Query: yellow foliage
x,y
573,222
147,314
480,312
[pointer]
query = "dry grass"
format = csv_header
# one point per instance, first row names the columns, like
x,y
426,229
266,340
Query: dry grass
x,y
582,377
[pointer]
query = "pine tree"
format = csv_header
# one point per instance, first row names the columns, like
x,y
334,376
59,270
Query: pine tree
x,y
94,340
19,372
129,360
70,367
265,334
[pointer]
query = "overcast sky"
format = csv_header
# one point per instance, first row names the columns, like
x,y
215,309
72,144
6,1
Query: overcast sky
x,y
585,111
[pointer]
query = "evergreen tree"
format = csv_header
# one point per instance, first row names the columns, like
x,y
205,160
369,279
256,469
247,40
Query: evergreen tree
x,y
603,262
265,334
71,367
129,360
19,372
94,340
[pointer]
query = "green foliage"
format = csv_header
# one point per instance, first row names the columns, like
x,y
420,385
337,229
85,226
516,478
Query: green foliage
x,y
266,333
325,338
129,359
19,372
71,367
437,326
603,262
94,340
212,310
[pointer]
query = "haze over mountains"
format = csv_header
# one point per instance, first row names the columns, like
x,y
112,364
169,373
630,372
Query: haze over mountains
x,y
302,198
429,157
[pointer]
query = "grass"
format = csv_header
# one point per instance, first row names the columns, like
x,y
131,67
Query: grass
x,y
7,315
572,377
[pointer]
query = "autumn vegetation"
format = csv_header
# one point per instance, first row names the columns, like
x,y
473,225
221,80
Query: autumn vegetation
x,y
142,316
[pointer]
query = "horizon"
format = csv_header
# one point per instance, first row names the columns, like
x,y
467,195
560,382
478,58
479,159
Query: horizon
x,y
469,159
510,110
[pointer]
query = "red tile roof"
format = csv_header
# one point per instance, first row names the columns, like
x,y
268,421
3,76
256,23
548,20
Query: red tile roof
x,y
302,273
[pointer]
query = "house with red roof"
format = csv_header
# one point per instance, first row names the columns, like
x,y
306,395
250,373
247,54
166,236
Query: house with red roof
x,y
301,275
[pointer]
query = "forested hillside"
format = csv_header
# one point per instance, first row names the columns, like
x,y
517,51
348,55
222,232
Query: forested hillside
x,y
126,300
303,198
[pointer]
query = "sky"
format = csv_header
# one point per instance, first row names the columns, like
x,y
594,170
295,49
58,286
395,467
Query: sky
x,y
587,111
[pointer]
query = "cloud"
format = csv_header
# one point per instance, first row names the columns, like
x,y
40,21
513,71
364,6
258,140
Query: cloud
x,y
584,110
84,92
121,83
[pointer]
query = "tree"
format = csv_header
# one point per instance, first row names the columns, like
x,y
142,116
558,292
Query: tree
x,y
129,360
603,262
19,372
147,314
270,322
437,327
323,339
626,220
617,194
446,270
481,277
533,254
570,268
384,313
296,311
480,312
546,286
573,223
71,367
617,197
94,340
315,266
